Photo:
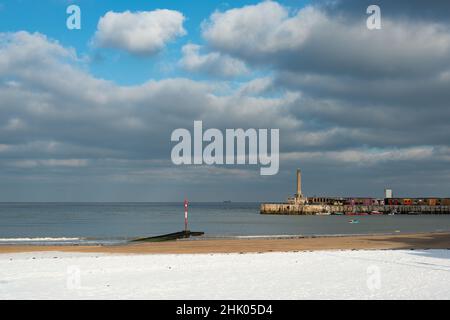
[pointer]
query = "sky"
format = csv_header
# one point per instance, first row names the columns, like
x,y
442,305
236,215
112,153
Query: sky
x,y
87,115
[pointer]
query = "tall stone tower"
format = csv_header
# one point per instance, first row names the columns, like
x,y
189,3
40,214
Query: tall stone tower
x,y
299,184
299,199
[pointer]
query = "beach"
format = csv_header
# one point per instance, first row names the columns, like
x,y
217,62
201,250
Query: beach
x,y
257,244
377,274
413,266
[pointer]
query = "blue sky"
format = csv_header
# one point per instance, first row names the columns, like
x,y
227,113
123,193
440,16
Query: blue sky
x,y
49,18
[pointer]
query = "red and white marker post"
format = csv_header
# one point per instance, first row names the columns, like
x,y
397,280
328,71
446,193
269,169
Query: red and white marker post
x,y
186,205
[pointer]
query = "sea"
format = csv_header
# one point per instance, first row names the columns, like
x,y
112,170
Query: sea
x,y
115,223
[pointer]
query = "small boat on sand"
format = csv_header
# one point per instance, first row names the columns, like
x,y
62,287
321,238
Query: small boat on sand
x,y
393,213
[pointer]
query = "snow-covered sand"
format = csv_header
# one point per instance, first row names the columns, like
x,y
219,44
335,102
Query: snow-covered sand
x,y
419,274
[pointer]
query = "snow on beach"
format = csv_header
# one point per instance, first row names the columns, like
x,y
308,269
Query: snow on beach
x,y
419,274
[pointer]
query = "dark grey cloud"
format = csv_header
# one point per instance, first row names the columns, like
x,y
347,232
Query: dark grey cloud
x,y
58,123
357,110
315,41
358,87
431,10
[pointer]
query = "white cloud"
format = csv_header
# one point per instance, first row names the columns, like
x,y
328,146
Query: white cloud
x,y
257,86
3,147
17,47
245,28
141,33
213,63
51,163
15,124
365,157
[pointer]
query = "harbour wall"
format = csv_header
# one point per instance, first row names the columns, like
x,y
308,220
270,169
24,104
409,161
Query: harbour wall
x,y
311,209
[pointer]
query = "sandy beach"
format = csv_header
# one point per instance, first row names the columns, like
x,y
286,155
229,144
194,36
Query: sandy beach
x,y
258,245
351,267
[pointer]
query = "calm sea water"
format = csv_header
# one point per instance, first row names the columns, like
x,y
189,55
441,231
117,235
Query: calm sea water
x,y
116,222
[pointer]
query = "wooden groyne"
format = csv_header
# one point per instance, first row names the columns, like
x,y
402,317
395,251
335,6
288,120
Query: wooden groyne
x,y
170,237
312,209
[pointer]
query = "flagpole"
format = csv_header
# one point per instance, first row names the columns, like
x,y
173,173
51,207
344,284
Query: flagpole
x,y
186,204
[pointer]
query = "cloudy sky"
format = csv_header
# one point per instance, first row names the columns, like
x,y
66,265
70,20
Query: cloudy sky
x,y
86,115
